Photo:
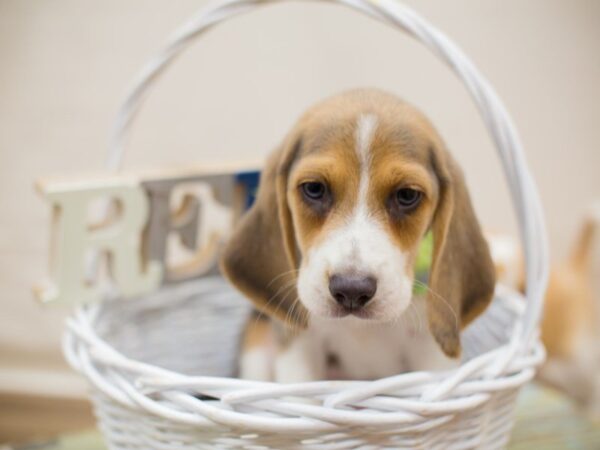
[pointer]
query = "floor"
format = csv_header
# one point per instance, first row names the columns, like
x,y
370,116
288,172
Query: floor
x,y
65,65
544,420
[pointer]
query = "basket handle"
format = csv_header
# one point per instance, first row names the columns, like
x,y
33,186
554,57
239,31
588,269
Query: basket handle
x,y
497,120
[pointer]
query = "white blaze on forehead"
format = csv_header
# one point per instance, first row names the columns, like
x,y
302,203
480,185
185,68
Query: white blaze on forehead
x,y
365,129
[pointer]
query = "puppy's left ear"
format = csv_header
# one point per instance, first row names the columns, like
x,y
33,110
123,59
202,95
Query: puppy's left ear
x,y
462,278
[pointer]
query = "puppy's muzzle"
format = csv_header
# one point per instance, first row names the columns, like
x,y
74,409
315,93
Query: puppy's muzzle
x,y
352,292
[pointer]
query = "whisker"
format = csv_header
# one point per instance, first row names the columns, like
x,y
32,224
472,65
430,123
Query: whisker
x,y
290,311
438,296
287,272
287,288
284,287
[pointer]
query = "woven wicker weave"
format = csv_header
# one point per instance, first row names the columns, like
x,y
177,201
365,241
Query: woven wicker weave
x,y
161,367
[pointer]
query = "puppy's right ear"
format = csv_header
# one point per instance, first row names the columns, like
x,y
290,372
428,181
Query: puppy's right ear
x,y
260,258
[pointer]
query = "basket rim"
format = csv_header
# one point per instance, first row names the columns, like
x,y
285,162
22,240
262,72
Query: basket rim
x,y
408,399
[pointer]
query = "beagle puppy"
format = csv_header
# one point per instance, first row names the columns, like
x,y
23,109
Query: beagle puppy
x,y
328,250
571,323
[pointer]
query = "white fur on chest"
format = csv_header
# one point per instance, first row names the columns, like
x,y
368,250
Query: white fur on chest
x,y
366,350
363,350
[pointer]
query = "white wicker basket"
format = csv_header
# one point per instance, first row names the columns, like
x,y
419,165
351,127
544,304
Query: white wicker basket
x,y
160,366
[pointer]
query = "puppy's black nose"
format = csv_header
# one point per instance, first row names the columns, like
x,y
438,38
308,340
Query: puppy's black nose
x,y
352,291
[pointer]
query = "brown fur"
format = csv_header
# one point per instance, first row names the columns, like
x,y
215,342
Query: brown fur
x,y
569,310
570,321
257,333
265,251
570,325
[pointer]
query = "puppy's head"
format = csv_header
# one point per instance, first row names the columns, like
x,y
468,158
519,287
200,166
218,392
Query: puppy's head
x,y
340,213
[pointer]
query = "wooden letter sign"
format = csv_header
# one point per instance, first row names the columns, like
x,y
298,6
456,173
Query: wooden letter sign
x,y
133,239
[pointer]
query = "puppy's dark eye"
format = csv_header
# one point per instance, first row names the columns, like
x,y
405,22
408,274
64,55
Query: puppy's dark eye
x,y
313,190
408,198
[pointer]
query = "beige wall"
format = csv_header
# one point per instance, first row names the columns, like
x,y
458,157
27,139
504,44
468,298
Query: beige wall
x,y
64,66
